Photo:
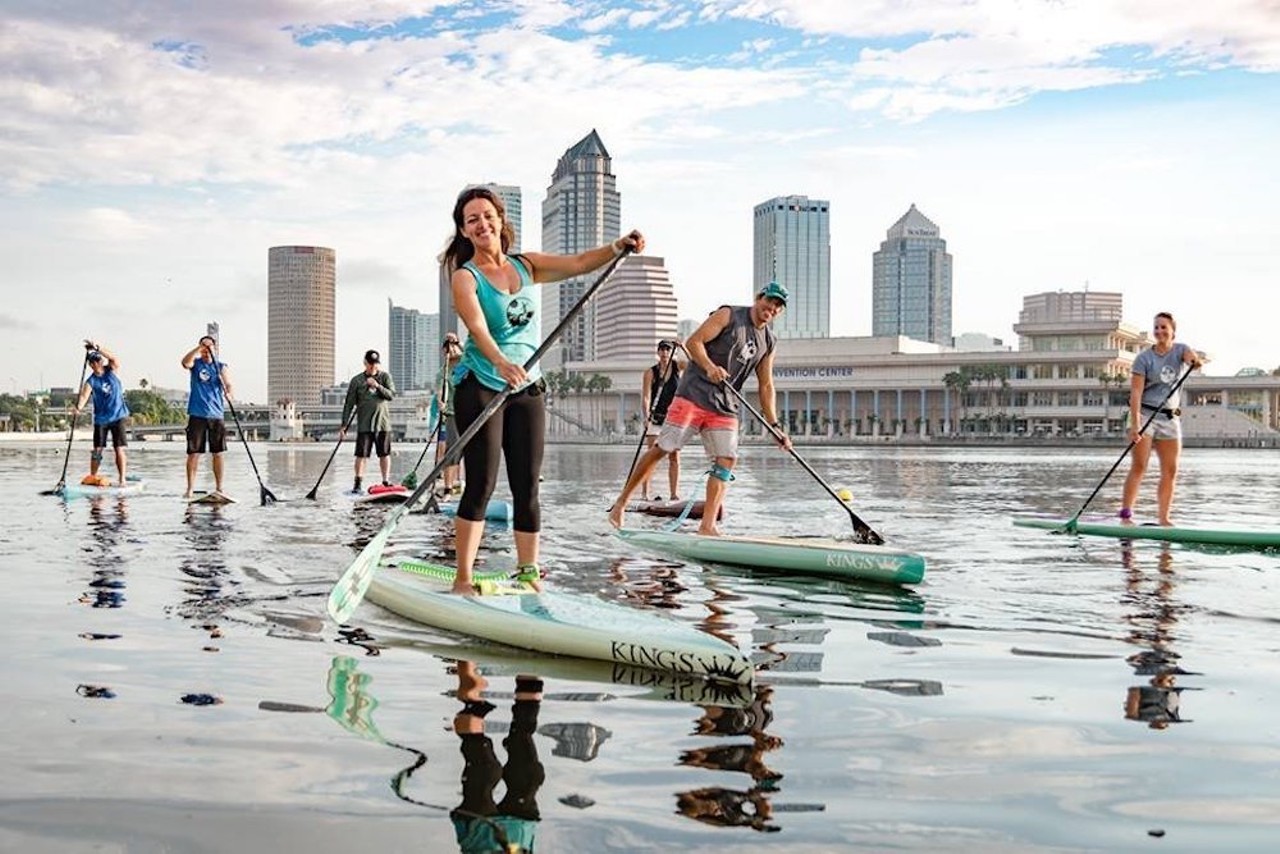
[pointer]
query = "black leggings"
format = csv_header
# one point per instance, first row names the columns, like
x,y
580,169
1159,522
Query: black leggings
x,y
517,431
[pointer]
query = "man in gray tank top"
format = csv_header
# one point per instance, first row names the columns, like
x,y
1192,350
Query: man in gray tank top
x,y
729,345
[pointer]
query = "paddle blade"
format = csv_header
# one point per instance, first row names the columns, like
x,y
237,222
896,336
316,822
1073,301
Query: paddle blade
x,y
866,536
57,490
354,583
268,497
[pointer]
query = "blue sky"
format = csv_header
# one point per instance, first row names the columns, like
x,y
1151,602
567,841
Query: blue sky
x,y
149,158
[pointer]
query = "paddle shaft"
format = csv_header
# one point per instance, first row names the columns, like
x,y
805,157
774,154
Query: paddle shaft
x,y
351,586
1129,447
264,493
862,530
71,434
435,427
334,453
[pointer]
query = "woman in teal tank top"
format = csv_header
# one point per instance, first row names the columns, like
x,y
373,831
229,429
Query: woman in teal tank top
x,y
495,296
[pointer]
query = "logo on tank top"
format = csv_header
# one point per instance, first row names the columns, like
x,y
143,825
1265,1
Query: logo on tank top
x,y
519,311
205,375
748,349
1168,373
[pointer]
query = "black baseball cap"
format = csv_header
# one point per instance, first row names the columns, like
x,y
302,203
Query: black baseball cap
x,y
664,344
371,357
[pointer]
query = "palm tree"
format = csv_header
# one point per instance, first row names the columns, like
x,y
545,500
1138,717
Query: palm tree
x,y
1109,378
959,382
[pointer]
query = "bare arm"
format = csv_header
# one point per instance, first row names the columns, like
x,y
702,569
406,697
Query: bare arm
x,y
112,362
467,305
85,391
646,384
225,377
553,268
189,360
768,399
1137,383
696,346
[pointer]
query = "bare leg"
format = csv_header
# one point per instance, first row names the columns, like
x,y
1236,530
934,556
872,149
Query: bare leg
x,y
467,535
121,464
193,463
95,460
359,468
673,474
1137,468
527,552
1168,451
384,465
217,472
643,468
715,497
644,487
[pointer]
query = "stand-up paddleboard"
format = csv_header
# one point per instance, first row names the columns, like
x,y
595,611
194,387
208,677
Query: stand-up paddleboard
x,y
670,508
496,511
1112,528
132,486
560,623
812,556
215,498
379,494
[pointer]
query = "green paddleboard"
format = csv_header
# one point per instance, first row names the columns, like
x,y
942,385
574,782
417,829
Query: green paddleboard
x,y
1179,534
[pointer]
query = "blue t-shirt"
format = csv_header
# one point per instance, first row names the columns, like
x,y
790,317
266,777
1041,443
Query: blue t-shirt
x,y
515,324
1160,373
108,397
205,398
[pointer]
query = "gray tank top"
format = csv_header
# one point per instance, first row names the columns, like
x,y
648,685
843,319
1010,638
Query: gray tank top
x,y
739,349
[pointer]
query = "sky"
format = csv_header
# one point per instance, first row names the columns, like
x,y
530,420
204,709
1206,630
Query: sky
x,y
151,152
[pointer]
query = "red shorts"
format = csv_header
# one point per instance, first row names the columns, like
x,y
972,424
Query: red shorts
x,y
685,413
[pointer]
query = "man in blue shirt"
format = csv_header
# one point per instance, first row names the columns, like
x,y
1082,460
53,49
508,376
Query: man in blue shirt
x,y
210,388
109,408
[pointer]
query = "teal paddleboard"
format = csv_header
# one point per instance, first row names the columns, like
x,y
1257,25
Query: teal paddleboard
x,y
1177,534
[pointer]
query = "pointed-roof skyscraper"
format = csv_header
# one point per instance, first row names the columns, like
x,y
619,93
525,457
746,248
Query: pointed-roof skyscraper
x,y
582,210
911,282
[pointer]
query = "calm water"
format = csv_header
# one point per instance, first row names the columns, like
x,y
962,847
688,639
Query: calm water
x,y
170,681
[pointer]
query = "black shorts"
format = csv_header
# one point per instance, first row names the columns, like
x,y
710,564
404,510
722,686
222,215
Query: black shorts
x,y
366,442
206,434
115,430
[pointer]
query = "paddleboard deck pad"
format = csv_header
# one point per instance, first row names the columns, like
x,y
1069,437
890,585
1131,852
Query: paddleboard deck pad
x,y
560,623
1114,529
379,494
670,508
496,511
211,498
811,556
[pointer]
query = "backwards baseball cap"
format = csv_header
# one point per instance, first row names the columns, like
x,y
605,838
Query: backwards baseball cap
x,y
775,290
664,344
371,357
95,356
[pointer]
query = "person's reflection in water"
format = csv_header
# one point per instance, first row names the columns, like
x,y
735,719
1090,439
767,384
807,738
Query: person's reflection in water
x,y
510,825
1157,703
108,524
209,586
730,807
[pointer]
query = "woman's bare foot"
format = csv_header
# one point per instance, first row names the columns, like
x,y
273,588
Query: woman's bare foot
x,y
617,514
711,530
463,588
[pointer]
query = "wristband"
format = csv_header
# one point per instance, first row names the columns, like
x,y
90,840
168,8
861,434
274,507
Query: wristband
x,y
618,247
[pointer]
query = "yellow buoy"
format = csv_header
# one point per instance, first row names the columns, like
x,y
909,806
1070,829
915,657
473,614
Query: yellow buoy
x,y
845,495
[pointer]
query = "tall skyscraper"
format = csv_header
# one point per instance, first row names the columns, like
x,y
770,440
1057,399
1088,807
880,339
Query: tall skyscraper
x,y
301,282
582,210
793,247
637,308
911,282
413,347
512,202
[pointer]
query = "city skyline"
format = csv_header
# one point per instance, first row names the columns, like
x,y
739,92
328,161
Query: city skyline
x,y
911,281
1126,149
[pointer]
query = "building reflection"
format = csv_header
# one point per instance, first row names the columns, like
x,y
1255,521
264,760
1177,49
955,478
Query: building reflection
x,y
1153,617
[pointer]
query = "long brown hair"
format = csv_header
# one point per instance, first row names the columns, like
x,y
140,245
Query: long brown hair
x,y
460,249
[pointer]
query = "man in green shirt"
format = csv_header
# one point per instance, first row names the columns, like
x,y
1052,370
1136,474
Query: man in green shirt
x,y
369,393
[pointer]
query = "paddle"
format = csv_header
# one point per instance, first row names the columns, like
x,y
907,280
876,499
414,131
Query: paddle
x,y
656,394
861,530
1070,527
265,494
350,589
62,481
329,462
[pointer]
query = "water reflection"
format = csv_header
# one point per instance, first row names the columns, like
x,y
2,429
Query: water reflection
x,y
1152,618
108,532
726,807
209,587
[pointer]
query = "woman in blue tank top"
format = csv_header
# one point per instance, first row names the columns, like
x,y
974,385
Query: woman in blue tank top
x,y
495,296
1155,373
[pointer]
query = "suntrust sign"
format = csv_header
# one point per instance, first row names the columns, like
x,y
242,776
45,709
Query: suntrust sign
x,y
809,373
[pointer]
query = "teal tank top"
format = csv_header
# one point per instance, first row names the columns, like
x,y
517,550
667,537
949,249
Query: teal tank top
x,y
515,324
